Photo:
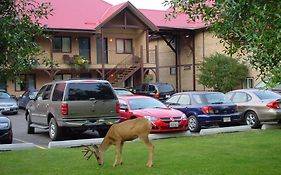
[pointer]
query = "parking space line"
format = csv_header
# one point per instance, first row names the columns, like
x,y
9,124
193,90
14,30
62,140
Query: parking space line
x,y
38,146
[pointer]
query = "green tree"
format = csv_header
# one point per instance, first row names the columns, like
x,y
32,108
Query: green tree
x,y
222,73
20,26
250,28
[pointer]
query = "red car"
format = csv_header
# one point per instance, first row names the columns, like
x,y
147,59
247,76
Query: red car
x,y
164,119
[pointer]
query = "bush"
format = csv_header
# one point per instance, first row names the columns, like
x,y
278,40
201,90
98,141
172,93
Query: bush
x,y
222,73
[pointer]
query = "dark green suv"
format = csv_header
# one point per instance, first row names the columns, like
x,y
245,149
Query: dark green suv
x,y
73,105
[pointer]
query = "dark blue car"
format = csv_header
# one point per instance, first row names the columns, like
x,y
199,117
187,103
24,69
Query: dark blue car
x,y
25,97
205,109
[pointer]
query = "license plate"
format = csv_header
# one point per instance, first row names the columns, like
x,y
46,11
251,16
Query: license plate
x,y
226,119
168,96
174,124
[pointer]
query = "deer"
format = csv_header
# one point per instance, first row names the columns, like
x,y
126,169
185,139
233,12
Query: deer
x,y
119,133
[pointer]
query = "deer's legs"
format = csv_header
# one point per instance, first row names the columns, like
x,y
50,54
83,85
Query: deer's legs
x,y
151,151
118,152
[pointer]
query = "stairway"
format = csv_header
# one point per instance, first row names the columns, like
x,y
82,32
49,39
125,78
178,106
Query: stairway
x,y
123,71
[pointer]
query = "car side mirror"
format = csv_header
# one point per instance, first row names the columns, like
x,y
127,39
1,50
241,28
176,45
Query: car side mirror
x,y
124,107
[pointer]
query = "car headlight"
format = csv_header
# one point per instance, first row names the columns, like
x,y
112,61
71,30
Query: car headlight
x,y
4,125
151,118
183,117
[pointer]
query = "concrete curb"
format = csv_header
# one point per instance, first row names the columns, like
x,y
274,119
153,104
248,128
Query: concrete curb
x,y
74,143
16,146
271,126
225,130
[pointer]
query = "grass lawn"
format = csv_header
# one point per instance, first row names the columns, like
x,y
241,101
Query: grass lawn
x,y
254,152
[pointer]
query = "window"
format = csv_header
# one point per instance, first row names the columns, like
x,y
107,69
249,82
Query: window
x,y
248,83
151,88
86,91
240,97
172,71
62,44
25,82
173,100
58,92
63,77
124,45
47,93
184,100
85,47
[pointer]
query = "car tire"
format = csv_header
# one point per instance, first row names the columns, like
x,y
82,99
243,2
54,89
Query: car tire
x,y
55,132
30,130
193,124
252,120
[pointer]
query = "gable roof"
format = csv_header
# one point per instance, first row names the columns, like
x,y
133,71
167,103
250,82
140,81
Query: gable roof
x,y
90,15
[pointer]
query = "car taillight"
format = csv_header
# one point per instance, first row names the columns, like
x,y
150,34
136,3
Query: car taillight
x,y
118,107
207,110
273,105
156,95
64,109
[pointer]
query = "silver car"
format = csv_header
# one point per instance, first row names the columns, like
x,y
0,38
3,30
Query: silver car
x,y
257,106
8,105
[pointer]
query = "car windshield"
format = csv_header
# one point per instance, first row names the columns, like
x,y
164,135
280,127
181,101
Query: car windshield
x,y
4,95
165,87
122,92
144,103
263,94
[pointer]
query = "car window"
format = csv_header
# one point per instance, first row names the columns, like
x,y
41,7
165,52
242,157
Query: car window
x,y
86,91
165,87
47,93
264,94
4,95
173,100
25,94
144,103
240,97
143,87
40,93
151,88
216,98
184,100
58,92
197,99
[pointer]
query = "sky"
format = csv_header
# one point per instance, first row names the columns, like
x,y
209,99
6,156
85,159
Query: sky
x,y
142,4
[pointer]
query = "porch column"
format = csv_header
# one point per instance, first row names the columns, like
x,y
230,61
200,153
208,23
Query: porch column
x,y
193,62
142,70
157,62
102,54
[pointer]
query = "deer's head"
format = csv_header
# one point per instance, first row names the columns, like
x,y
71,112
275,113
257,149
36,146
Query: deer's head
x,y
98,155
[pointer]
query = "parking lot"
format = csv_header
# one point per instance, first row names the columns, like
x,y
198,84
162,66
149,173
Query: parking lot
x,y
41,138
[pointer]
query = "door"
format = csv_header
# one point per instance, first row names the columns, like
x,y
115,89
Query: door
x,y
85,47
105,51
38,110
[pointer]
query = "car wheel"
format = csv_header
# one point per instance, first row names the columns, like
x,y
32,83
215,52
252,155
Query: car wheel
x,y
193,124
30,130
55,132
252,120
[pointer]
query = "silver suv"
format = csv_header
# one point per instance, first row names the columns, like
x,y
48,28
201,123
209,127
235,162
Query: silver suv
x,y
73,105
